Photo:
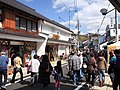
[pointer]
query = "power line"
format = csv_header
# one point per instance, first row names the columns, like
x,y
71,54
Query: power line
x,y
61,19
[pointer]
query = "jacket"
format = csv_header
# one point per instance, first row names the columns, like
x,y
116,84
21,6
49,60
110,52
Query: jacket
x,y
44,76
101,63
75,62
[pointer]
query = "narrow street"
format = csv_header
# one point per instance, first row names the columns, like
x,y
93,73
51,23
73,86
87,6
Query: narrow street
x,y
66,84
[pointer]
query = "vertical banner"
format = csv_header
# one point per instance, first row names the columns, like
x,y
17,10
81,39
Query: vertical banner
x,y
41,51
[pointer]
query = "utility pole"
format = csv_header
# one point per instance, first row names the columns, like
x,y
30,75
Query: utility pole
x,y
116,26
69,18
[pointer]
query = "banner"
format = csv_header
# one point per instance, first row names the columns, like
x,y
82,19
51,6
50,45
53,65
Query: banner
x,y
41,51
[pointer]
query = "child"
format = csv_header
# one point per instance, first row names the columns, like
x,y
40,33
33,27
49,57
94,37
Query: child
x,y
56,73
57,79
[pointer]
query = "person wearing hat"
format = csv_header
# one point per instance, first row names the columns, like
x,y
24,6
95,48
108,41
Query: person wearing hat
x,y
3,70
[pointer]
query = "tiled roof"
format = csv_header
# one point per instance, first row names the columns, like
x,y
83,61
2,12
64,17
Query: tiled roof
x,y
31,11
11,32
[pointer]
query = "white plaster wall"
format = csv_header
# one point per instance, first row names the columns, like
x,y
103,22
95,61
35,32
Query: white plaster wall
x,y
52,30
61,49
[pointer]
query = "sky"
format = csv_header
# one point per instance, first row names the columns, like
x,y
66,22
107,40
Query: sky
x,y
70,12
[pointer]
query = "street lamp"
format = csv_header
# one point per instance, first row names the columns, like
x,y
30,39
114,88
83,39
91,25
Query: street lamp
x,y
104,12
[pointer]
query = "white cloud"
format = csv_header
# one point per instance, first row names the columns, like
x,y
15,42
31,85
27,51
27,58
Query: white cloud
x,y
88,13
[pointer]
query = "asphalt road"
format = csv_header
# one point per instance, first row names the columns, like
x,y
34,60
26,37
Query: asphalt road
x,y
66,84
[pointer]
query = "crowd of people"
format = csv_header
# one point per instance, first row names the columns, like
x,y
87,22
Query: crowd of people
x,y
39,67
81,63
96,66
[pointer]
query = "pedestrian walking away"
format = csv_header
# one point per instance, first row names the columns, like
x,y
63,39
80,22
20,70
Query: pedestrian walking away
x,y
34,64
112,62
116,83
101,68
3,70
75,63
45,70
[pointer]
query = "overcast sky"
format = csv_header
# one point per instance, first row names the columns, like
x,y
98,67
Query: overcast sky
x,y
68,12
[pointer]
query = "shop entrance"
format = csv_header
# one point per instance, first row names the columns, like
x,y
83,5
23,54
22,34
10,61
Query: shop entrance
x,y
16,50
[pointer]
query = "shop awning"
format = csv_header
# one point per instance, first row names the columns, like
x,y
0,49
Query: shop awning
x,y
20,38
8,34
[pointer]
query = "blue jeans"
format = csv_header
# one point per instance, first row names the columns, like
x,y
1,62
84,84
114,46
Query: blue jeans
x,y
76,72
81,73
101,75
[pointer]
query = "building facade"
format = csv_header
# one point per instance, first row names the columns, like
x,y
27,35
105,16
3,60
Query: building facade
x,y
23,31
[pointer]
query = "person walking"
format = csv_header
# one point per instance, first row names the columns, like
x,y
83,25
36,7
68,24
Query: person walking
x,y
17,68
3,70
75,63
57,73
80,55
102,66
34,64
45,70
92,65
116,82
112,63
70,74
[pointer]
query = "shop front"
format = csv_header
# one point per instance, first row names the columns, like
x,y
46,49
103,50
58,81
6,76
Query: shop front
x,y
21,48
57,49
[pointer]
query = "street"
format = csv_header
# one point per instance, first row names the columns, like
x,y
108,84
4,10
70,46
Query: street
x,y
66,84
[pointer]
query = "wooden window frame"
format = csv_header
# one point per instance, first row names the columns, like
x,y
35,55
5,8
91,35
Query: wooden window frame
x,y
19,27
29,28
22,27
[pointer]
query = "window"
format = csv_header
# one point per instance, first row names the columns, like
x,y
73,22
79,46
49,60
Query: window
x,y
17,19
23,23
29,25
34,26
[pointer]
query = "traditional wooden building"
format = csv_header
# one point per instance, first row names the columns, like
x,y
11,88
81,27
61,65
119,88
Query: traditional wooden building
x,y
24,31
18,29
